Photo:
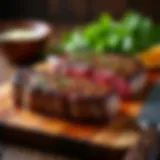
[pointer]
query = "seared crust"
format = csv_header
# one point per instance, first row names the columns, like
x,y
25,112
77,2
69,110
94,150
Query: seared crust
x,y
80,91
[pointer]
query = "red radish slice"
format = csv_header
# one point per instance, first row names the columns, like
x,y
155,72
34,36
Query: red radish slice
x,y
68,71
123,87
103,76
79,70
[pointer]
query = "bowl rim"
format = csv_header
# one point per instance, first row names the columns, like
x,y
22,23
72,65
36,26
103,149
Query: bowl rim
x,y
29,23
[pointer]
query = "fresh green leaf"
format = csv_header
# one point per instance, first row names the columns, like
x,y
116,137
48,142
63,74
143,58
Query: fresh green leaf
x,y
112,41
100,46
131,34
142,35
127,44
105,20
66,36
155,34
131,21
121,30
77,42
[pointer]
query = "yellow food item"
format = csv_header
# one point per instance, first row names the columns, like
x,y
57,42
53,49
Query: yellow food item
x,y
151,58
155,48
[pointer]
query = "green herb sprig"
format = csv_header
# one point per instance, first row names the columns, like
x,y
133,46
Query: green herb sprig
x,y
129,35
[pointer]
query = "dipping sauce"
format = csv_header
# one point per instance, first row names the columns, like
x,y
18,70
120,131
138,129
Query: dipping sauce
x,y
23,34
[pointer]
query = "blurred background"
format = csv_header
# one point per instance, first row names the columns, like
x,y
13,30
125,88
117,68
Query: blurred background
x,y
63,14
75,11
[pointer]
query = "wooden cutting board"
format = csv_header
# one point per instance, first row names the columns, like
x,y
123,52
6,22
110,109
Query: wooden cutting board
x,y
111,140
